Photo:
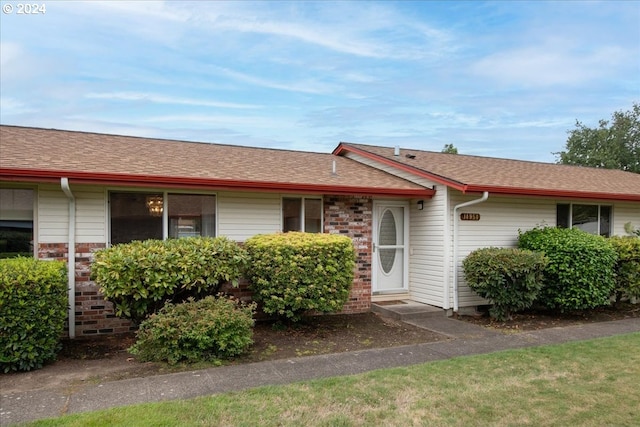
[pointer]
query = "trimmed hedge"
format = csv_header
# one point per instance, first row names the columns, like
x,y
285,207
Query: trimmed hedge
x,y
510,278
139,277
295,272
627,268
193,331
580,273
33,310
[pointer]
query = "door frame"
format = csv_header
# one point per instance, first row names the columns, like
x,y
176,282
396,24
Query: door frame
x,y
378,206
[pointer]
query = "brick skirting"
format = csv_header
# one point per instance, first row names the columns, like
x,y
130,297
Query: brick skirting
x,y
93,314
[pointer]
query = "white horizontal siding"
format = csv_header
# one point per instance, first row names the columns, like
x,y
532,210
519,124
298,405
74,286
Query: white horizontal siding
x,y
52,215
429,249
500,220
242,215
91,214
622,214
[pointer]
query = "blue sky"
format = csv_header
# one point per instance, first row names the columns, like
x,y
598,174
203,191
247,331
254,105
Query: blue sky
x,y
500,79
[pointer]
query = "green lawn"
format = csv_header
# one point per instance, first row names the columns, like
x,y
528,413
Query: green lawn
x,y
588,383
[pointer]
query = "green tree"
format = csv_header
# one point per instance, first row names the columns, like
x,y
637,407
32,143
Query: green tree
x,y
449,149
613,144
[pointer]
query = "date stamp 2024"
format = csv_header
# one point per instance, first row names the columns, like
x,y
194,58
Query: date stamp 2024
x,y
24,8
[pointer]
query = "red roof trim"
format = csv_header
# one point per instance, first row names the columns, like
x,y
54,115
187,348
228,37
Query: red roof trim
x,y
552,193
473,188
34,175
344,148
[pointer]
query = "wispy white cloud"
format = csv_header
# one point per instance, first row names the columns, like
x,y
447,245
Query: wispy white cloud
x,y
162,99
491,76
549,65
305,86
10,106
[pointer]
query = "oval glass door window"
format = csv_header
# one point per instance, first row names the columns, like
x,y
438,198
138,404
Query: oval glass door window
x,y
387,236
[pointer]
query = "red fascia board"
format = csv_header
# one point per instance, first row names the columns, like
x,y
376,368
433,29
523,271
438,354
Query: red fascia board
x,y
514,191
473,188
75,177
344,148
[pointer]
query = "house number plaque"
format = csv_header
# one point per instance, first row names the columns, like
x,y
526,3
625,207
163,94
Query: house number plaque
x,y
470,217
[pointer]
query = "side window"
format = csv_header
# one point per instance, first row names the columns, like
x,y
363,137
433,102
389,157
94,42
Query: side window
x,y
594,219
302,214
16,222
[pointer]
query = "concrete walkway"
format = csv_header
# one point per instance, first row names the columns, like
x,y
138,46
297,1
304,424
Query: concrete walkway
x,y
466,339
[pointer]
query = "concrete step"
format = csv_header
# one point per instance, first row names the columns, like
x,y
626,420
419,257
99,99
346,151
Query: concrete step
x,y
406,310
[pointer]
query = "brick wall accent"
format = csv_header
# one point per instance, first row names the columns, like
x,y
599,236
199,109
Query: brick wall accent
x,y
93,314
353,216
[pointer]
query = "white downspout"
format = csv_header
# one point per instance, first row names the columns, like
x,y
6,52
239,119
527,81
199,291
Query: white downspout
x,y
484,197
71,256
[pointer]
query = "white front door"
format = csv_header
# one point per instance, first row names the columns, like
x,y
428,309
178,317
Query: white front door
x,y
390,232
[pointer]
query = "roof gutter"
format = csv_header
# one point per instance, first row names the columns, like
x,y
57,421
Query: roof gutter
x,y
71,255
152,181
482,199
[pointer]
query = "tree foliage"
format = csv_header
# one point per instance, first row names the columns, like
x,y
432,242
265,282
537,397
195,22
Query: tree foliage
x,y
613,144
449,149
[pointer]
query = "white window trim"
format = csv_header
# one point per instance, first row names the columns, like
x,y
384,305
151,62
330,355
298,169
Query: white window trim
x,y
35,189
599,205
165,211
302,210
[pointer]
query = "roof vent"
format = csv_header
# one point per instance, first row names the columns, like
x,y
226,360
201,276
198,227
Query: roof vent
x,y
396,151
410,156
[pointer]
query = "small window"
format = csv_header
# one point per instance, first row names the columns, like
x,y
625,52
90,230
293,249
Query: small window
x,y
302,214
594,219
16,222
192,215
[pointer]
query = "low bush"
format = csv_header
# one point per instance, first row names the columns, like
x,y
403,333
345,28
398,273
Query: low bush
x,y
580,273
510,278
293,273
139,277
627,268
33,309
204,330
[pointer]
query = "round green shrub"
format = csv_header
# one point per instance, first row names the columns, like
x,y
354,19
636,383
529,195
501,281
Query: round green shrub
x,y
33,310
193,331
141,276
627,267
580,274
293,273
510,278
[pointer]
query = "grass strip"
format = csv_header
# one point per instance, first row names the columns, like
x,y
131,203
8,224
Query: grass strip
x,y
586,383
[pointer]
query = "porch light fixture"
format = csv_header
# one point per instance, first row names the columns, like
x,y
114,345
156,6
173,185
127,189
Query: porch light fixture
x,y
155,205
420,205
